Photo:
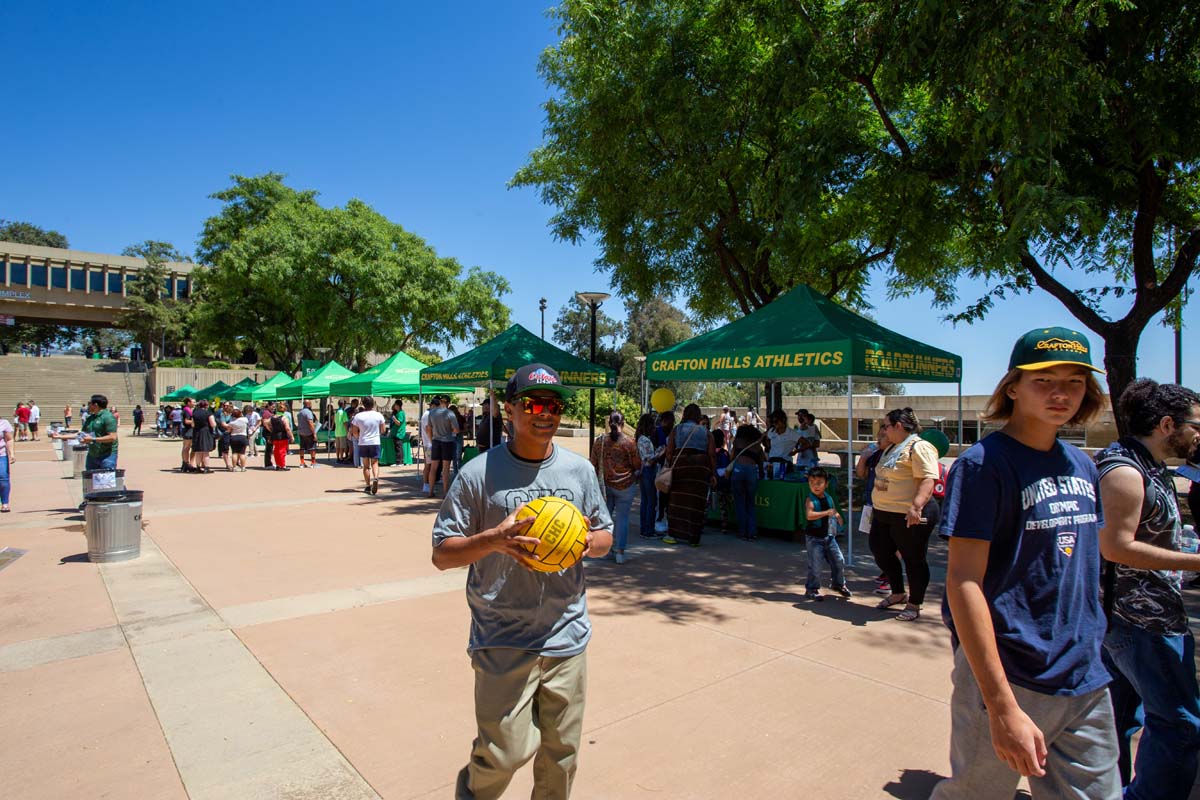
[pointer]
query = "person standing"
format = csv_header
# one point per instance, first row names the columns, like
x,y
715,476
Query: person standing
x,y
820,538
617,463
529,630
188,431
100,435
238,428
223,414
35,417
443,431
67,415
1023,589
8,457
904,512
745,473
281,437
782,442
662,434
22,416
204,425
367,427
340,434
459,435
1149,649
427,445
807,455
692,460
648,453
139,417
253,427
306,427
268,444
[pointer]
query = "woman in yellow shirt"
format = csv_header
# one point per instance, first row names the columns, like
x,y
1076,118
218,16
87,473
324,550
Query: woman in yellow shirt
x,y
903,515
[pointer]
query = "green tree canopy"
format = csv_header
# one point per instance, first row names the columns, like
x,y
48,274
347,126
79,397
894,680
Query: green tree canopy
x,y
150,312
288,276
728,149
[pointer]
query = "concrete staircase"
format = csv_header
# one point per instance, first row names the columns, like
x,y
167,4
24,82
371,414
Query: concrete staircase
x,y
57,381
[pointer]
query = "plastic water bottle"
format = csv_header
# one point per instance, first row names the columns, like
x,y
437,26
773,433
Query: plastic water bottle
x,y
1189,543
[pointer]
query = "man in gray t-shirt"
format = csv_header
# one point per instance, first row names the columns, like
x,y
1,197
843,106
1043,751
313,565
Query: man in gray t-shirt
x,y
529,630
443,428
306,429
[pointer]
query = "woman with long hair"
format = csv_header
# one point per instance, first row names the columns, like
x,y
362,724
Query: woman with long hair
x,y
904,512
649,453
615,457
238,429
692,460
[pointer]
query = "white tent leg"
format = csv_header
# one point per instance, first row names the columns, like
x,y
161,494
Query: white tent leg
x,y
420,435
850,471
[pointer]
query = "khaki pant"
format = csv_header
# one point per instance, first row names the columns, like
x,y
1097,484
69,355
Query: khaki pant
x,y
526,706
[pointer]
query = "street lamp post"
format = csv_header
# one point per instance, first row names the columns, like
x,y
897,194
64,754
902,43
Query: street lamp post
x,y
542,308
592,300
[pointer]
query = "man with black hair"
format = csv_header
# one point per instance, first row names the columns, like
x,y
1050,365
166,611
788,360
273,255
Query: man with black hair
x,y
100,435
1149,649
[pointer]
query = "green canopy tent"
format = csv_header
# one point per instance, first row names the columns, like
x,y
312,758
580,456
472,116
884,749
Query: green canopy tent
x,y
244,384
499,358
263,391
804,335
314,384
398,375
179,394
218,389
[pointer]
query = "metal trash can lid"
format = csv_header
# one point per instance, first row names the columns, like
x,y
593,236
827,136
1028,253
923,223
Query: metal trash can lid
x,y
87,473
79,447
115,496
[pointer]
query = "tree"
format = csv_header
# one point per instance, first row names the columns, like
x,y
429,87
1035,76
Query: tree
x,y
288,276
150,312
735,147
684,134
28,233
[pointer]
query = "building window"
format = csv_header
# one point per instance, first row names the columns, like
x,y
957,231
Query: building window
x,y
77,279
37,274
866,429
181,287
114,283
96,280
16,273
58,277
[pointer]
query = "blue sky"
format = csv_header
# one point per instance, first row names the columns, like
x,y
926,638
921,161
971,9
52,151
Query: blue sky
x,y
126,116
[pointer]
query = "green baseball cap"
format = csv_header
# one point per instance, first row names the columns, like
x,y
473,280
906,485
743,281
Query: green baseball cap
x,y
1049,347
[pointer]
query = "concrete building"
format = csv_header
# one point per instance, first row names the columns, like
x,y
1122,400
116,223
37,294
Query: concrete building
x,y
71,287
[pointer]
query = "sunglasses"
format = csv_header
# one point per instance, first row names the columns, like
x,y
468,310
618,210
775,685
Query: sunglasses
x,y
542,405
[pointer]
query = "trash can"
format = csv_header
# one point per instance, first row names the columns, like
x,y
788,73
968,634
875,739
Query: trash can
x,y
78,459
100,480
113,525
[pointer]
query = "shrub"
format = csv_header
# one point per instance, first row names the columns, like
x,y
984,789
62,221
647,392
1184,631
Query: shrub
x,y
219,365
577,407
174,362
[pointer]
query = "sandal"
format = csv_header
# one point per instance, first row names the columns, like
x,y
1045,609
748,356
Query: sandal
x,y
892,600
910,613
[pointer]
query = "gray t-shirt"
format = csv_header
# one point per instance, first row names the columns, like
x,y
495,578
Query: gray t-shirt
x,y
305,422
442,423
513,607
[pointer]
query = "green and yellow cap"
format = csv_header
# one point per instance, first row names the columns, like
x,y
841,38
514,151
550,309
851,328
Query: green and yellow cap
x,y
1049,347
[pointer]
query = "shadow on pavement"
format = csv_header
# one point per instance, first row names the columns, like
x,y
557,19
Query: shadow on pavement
x,y
78,558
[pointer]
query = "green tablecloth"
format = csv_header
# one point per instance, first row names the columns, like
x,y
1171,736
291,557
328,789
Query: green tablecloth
x,y
387,451
779,505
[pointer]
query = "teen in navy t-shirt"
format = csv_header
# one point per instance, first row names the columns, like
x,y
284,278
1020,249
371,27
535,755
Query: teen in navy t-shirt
x,y
1022,513
1041,513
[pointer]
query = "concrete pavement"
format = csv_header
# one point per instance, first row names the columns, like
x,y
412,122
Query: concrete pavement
x,y
285,636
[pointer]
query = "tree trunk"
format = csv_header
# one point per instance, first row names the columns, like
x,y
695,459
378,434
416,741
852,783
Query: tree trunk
x,y
1120,362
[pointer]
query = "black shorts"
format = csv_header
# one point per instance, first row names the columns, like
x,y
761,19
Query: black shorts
x,y
33,427
237,444
223,444
187,432
442,451
368,451
308,444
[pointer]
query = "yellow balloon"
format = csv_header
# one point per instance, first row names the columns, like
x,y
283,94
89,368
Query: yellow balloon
x,y
662,400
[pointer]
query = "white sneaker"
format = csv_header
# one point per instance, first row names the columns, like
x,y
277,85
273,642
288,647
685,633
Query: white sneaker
x,y
620,558
424,488
661,526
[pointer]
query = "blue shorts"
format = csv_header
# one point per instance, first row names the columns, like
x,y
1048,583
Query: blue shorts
x,y
368,451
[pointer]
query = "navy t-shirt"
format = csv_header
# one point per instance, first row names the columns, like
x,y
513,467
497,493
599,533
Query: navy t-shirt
x,y
1041,512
